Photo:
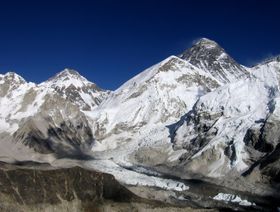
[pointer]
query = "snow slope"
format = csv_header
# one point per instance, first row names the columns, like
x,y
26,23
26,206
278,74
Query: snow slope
x,y
147,103
216,128
20,99
73,87
268,72
39,117
199,115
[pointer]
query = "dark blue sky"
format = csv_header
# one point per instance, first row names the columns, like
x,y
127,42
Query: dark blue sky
x,y
110,41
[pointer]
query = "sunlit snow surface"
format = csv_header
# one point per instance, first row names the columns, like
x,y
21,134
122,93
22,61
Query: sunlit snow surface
x,y
232,198
134,178
140,177
137,115
242,104
149,102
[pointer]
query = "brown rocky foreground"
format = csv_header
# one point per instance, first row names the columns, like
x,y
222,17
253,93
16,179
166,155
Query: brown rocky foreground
x,y
42,188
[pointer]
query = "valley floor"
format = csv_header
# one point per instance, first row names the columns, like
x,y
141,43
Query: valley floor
x,y
151,185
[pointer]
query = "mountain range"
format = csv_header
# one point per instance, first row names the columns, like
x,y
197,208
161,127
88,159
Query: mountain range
x,y
199,115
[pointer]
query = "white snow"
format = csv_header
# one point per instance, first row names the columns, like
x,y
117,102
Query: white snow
x,y
11,104
151,100
132,178
70,78
222,56
66,78
209,44
240,105
232,198
14,106
4,126
223,68
268,73
244,102
138,113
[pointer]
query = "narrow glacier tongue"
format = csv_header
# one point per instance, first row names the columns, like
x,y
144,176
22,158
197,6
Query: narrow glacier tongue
x,y
123,175
132,178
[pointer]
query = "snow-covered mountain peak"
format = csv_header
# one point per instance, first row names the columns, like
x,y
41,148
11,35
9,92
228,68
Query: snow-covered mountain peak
x,y
67,72
70,85
170,71
156,97
10,82
207,43
210,57
11,77
200,115
66,78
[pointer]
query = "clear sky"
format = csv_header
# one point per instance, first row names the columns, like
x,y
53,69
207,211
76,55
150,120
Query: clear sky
x,y
110,41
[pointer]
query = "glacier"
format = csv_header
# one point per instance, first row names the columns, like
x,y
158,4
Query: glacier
x,y
199,115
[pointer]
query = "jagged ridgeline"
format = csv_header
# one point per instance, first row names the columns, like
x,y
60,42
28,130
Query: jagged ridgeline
x,y
199,115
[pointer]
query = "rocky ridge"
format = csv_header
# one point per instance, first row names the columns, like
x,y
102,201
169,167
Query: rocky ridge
x,y
200,116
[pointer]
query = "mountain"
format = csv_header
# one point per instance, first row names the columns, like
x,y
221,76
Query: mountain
x,y
268,71
212,133
198,116
210,57
148,102
13,89
48,117
73,87
216,127
231,134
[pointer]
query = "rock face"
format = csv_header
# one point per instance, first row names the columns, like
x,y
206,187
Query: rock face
x,y
209,56
72,189
144,105
70,85
60,135
10,81
47,118
265,143
200,115
207,133
25,189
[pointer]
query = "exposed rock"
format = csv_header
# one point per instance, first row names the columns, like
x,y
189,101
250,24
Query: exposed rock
x,y
64,189
209,56
42,188
202,116
76,89
65,134
10,81
49,117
